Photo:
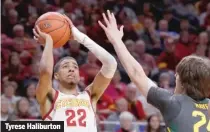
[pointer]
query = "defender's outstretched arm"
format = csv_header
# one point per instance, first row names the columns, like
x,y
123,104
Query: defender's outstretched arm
x,y
133,68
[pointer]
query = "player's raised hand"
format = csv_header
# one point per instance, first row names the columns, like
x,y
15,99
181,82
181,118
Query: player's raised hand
x,y
76,34
70,24
111,29
69,20
40,36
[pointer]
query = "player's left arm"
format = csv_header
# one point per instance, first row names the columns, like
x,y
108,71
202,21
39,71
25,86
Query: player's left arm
x,y
107,71
109,64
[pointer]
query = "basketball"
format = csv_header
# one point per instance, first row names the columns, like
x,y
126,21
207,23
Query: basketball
x,y
55,25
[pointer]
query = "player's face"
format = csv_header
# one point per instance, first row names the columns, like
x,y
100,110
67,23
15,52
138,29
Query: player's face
x,y
68,72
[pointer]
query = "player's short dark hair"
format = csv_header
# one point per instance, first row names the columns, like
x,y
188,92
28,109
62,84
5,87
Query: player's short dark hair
x,y
57,65
194,75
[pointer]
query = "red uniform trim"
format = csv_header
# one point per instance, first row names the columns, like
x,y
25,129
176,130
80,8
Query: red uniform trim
x,y
49,117
52,106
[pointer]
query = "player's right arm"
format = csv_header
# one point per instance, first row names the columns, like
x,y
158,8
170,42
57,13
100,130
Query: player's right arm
x,y
132,67
44,87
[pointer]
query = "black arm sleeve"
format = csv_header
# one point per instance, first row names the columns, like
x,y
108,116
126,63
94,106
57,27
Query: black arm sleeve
x,y
163,100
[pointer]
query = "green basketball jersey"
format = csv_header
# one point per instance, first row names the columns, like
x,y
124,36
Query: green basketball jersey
x,y
180,112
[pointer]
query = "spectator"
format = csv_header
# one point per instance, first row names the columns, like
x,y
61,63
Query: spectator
x,y
18,33
29,25
150,35
147,108
116,88
153,124
185,47
9,95
33,104
165,33
16,71
201,5
126,120
144,58
147,9
129,32
121,106
182,9
130,45
21,42
34,6
123,10
7,6
207,21
204,15
91,68
68,10
6,115
105,106
167,59
139,26
34,72
185,26
134,105
10,22
201,50
203,39
164,81
173,24
23,111
75,52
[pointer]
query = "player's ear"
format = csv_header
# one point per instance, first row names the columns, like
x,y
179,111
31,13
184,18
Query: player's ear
x,y
56,76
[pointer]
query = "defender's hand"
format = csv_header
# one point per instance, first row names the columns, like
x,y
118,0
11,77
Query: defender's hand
x,y
111,29
40,36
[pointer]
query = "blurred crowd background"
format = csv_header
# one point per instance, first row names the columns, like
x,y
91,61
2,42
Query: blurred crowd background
x,y
158,33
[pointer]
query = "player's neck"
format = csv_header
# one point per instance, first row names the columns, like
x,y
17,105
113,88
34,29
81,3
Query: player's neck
x,y
68,89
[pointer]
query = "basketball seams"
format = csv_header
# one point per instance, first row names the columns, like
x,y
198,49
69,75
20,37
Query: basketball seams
x,y
56,28
63,34
38,21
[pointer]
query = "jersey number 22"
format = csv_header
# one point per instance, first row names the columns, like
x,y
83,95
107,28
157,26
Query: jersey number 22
x,y
71,117
202,122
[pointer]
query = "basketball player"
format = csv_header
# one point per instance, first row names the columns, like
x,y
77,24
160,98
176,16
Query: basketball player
x,y
76,109
187,109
